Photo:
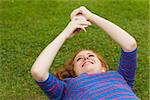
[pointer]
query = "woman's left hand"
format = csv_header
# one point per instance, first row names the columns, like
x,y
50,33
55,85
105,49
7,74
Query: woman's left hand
x,y
82,11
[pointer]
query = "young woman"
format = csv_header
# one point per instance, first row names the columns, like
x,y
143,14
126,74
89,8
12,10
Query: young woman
x,y
86,75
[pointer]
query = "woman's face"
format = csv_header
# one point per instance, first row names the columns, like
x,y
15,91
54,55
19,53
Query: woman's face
x,y
87,61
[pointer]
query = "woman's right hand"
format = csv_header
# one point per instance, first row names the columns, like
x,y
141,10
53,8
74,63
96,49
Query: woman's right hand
x,y
75,25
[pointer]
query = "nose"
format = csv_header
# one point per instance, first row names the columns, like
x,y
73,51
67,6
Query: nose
x,y
86,58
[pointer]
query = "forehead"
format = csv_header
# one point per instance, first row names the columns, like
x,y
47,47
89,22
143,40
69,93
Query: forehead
x,y
85,52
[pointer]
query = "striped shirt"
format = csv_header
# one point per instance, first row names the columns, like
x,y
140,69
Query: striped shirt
x,y
117,85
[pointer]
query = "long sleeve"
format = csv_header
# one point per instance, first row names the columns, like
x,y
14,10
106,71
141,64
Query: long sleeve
x,y
52,87
127,66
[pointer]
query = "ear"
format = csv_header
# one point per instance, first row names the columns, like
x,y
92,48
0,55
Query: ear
x,y
103,70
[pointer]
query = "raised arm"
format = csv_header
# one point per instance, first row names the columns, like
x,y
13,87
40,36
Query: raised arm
x,y
126,41
40,68
42,64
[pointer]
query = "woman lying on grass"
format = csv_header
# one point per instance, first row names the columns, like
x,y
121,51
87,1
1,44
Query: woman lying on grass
x,y
86,75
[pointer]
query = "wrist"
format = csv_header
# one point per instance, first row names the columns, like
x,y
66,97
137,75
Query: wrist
x,y
67,28
90,17
65,33
93,18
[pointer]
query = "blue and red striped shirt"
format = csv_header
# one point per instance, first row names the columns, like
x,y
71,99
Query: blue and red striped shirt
x,y
117,85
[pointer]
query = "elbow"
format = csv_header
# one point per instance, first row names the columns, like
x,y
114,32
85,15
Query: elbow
x,y
37,74
131,46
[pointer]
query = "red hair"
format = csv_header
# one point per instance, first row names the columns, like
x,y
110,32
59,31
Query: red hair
x,y
68,71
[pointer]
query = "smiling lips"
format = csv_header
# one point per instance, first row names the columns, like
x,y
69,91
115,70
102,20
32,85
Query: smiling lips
x,y
86,63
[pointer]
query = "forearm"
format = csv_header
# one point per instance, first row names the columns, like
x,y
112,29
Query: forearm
x,y
42,64
126,41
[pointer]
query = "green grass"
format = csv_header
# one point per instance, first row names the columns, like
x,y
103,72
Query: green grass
x,y
28,26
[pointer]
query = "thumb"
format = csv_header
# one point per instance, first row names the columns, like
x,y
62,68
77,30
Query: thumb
x,y
75,12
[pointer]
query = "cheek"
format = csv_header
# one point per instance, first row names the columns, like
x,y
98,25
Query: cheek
x,y
99,62
77,63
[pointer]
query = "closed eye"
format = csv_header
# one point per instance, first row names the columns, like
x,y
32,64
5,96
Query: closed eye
x,y
79,59
91,55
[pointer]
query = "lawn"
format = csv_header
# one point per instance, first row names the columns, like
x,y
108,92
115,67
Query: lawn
x,y
28,26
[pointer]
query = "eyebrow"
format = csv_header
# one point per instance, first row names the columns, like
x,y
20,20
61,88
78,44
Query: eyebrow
x,y
81,55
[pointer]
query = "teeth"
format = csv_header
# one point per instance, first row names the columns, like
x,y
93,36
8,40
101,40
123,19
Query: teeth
x,y
87,63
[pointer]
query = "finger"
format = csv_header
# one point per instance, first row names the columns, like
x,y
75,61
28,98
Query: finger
x,y
81,27
89,23
85,26
79,17
83,22
83,7
75,12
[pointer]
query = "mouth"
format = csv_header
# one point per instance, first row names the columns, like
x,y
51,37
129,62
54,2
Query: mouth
x,y
87,62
